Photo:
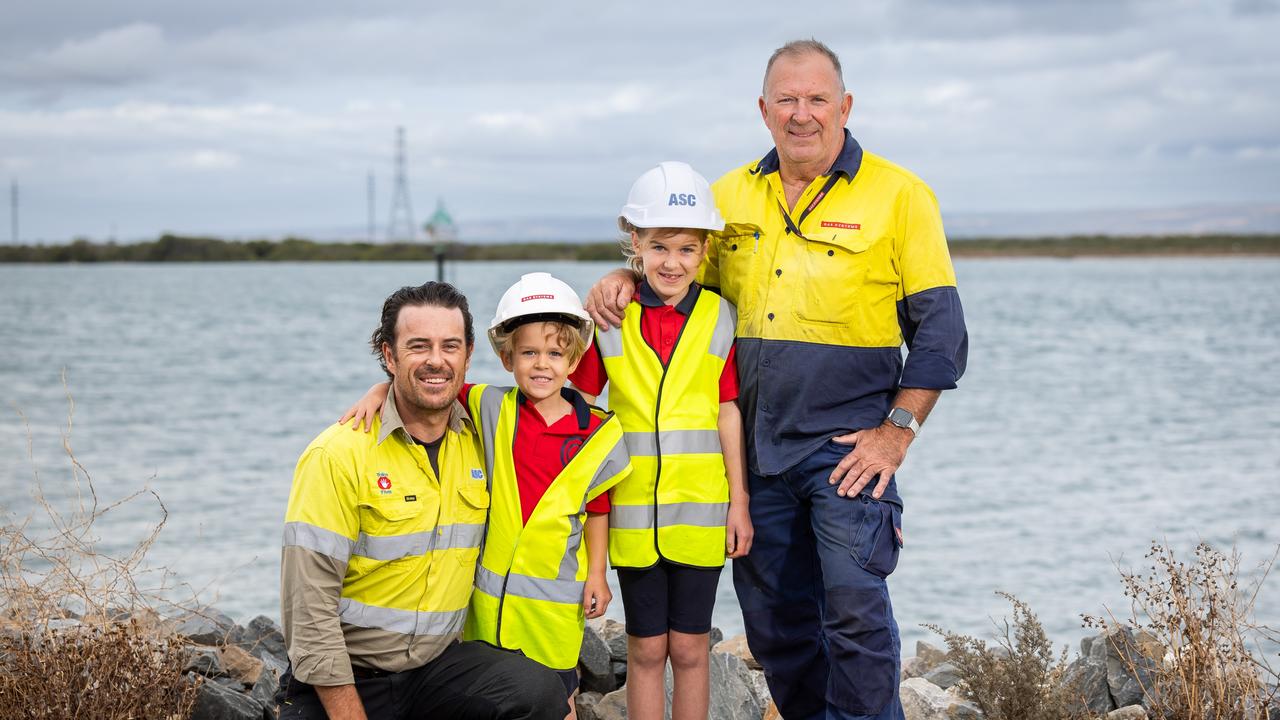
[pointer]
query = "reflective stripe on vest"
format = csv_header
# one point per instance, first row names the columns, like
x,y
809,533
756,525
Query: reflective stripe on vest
x,y
531,574
670,415
406,622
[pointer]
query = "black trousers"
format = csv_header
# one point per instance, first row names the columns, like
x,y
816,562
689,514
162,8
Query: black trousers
x,y
468,681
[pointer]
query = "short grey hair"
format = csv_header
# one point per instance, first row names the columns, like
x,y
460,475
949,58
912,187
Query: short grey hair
x,y
798,48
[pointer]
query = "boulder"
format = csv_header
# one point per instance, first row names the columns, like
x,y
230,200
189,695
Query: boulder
x,y
263,634
922,700
771,712
215,702
1087,678
931,655
715,636
207,626
914,667
1128,670
619,672
241,665
586,705
264,691
944,676
737,646
595,664
1130,712
612,706
737,691
614,635
204,660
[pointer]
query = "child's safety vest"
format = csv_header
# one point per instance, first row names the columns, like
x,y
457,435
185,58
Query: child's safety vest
x,y
529,583
674,503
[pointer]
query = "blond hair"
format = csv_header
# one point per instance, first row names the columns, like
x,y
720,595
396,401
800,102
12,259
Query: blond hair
x,y
568,336
628,250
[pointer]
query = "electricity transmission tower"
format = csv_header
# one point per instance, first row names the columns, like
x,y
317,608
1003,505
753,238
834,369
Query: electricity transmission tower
x,y
401,207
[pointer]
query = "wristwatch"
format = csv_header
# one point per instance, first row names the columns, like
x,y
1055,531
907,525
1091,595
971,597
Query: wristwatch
x,y
902,417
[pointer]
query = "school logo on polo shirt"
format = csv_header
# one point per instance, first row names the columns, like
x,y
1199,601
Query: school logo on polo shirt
x,y
570,448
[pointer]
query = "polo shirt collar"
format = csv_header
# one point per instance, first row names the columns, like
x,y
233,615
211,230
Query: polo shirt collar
x,y
648,298
581,410
847,162
391,420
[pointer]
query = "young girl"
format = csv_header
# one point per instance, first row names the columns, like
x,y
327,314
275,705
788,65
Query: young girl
x,y
551,459
684,507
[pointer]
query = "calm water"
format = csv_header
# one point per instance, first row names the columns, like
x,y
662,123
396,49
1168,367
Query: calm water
x,y
1107,403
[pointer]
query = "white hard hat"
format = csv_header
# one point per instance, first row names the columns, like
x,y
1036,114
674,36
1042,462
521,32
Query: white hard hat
x,y
672,195
539,296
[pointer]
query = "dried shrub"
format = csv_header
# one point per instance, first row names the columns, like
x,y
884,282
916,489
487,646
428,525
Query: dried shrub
x,y
1202,658
80,636
1019,678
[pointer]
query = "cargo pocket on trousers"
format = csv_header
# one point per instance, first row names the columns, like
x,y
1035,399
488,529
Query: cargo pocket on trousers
x,y
877,535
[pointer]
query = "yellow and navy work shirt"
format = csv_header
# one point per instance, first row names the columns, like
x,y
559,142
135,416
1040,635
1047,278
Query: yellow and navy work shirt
x,y
827,294
379,552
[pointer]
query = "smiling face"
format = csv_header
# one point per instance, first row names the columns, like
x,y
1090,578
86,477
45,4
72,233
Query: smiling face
x,y
670,260
805,108
540,357
430,359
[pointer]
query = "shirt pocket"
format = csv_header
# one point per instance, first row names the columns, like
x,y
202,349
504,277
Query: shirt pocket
x,y
835,266
391,529
737,248
469,521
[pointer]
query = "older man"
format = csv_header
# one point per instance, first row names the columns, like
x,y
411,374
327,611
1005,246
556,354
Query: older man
x,y
835,258
380,546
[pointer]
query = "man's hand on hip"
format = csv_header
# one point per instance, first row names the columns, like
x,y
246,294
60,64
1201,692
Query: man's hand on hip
x,y
877,451
608,298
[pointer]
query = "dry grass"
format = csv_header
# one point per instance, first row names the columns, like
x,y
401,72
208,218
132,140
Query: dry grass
x,y
1204,658
1019,678
79,633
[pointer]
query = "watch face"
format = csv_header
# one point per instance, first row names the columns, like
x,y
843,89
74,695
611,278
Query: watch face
x,y
901,418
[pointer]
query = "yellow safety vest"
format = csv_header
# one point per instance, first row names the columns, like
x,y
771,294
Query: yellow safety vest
x,y
529,583
409,539
674,504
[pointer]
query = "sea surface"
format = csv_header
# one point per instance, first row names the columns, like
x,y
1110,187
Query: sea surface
x,y
1107,404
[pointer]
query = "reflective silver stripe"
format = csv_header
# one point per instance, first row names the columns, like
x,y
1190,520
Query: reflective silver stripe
x,y
490,408
722,336
405,622
630,517
613,464
445,537
674,442
569,562
561,591
488,581
691,513
312,537
610,343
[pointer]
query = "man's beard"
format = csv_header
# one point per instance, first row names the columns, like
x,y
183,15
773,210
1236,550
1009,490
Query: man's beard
x,y
411,390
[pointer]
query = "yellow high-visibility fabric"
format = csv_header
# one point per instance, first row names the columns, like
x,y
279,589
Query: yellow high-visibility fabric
x,y
871,241
674,504
529,585
409,539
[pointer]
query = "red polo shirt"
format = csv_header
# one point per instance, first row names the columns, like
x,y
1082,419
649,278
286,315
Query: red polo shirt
x,y
541,451
660,326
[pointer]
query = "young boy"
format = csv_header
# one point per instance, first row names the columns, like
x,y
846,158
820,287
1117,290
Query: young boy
x,y
684,508
551,459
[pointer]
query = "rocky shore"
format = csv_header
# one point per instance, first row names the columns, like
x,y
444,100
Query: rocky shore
x,y
239,667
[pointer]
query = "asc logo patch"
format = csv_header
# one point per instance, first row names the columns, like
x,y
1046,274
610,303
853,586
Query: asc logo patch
x,y
477,474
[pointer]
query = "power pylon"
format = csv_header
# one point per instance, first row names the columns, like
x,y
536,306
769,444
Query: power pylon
x,y
401,206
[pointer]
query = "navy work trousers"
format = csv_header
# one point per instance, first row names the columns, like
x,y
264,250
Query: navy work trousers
x,y
813,594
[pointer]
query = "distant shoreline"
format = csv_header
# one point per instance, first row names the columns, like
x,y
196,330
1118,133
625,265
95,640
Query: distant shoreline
x,y
177,248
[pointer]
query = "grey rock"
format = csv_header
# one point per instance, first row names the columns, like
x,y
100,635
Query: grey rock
x,y
944,675
207,626
264,691
737,691
204,660
215,702
1086,643
231,683
614,635
612,706
1128,671
716,636
932,655
619,672
1129,712
586,705
596,664
1087,678
262,634
922,700
913,667
737,645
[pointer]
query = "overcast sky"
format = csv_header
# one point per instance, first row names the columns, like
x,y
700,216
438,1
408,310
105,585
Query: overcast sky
x,y
241,117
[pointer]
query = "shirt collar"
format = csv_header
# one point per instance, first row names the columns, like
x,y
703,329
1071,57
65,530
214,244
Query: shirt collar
x,y
581,410
648,298
391,420
847,162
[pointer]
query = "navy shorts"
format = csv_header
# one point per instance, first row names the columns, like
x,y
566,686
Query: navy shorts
x,y
668,597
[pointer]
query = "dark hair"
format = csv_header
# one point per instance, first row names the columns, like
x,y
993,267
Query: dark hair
x,y
436,294
797,48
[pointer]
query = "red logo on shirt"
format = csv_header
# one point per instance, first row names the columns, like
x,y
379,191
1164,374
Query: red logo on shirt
x,y
384,482
544,296
842,226
570,449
